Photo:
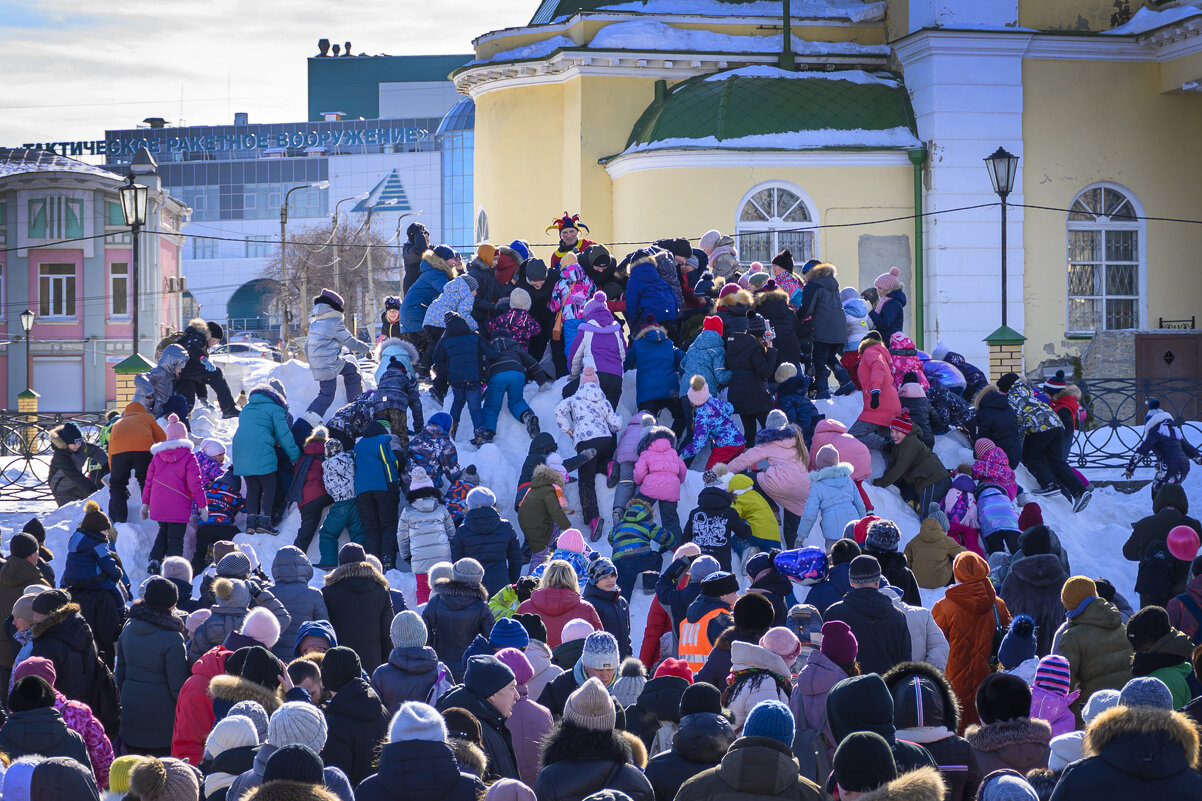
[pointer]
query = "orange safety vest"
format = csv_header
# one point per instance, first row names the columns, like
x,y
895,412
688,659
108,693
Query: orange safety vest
x,y
695,645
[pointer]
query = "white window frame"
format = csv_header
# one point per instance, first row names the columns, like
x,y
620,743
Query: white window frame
x,y
776,225
258,242
58,284
113,294
1103,223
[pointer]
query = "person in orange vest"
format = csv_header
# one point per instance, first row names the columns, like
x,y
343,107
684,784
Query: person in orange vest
x,y
707,617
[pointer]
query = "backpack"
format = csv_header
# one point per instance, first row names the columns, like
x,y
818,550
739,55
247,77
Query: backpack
x,y
1157,572
809,745
1191,607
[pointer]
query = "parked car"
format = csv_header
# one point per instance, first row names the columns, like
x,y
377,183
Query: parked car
x,y
259,349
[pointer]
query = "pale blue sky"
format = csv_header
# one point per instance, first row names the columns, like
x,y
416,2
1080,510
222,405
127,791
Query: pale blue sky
x,y
70,73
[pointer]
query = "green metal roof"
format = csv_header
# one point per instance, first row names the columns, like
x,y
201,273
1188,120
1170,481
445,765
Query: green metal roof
x,y
822,111
352,84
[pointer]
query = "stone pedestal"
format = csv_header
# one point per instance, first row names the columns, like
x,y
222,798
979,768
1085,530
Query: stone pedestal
x,y
1005,352
27,404
126,370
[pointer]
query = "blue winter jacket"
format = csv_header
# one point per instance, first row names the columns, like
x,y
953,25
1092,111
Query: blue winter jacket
x,y
90,561
706,357
647,293
262,426
376,465
793,400
1164,437
890,318
825,593
456,297
834,494
713,423
459,355
656,359
314,628
434,275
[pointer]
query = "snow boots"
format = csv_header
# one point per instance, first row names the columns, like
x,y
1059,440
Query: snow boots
x,y
596,529
531,421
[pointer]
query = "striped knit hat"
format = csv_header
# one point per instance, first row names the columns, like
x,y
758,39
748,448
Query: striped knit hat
x,y
984,445
1052,675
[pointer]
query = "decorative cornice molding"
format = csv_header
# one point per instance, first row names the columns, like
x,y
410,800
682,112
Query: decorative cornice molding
x,y
667,159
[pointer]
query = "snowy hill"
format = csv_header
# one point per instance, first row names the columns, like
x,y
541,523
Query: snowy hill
x,y
1094,538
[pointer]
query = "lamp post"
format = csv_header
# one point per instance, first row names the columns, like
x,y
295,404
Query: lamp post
x,y
1003,167
133,209
334,240
284,254
27,317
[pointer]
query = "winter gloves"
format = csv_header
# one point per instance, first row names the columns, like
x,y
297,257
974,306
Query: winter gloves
x,y
875,400
145,512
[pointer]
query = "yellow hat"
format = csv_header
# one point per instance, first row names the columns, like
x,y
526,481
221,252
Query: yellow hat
x,y
119,772
1076,590
486,253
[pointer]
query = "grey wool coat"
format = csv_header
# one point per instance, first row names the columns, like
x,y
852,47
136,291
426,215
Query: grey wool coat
x,y
292,571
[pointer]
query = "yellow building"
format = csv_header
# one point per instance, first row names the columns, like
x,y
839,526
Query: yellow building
x,y
656,118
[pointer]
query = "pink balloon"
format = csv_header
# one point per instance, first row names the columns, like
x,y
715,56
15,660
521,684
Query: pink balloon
x,y
1183,543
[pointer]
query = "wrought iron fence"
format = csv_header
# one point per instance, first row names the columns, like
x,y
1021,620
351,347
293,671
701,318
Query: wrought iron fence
x,y
1117,408
25,450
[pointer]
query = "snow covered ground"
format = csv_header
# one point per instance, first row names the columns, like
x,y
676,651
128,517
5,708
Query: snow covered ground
x,y
1094,538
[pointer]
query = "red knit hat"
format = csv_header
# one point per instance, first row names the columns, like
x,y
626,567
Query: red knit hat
x,y
1031,515
902,423
712,323
861,528
984,445
674,667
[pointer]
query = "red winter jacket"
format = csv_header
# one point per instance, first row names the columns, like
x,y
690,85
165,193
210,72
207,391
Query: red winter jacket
x,y
556,606
876,372
194,717
313,487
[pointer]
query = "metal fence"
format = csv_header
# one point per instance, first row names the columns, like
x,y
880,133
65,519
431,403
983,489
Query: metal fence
x,y
1117,408
25,450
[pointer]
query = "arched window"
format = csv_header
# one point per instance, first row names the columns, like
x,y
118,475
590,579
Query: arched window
x,y
767,222
1105,261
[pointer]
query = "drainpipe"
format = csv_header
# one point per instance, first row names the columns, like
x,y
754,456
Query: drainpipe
x,y
786,60
918,158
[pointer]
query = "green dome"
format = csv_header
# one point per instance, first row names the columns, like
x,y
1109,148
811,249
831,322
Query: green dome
x,y
766,108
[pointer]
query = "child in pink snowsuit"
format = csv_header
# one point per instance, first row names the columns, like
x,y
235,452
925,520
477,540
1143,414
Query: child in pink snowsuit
x,y
659,472
903,358
172,485
1050,696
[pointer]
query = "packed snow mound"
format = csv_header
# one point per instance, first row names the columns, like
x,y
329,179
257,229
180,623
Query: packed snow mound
x,y
1093,538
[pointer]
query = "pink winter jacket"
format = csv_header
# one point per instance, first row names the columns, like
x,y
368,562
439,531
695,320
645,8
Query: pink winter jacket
x,y
173,482
876,373
79,719
993,468
1054,708
903,358
659,471
787,479
851,450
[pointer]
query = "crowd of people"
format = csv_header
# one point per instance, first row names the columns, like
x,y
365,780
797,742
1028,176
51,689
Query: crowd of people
x,y
787,652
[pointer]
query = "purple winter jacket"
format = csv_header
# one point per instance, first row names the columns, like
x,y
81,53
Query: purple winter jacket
x,y
173,482
605,343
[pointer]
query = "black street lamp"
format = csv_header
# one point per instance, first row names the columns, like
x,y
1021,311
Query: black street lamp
x,y
133,209
1003,167
27,317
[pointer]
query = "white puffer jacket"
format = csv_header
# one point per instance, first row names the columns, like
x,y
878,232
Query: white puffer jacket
x,y
424,533
587,414
762,687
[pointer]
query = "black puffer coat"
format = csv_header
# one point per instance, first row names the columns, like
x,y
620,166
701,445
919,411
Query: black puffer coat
x,y
65,638
614,612
879,626
578,762
489,539
453,618
897,572
408,675
700,743
752,367
358,724
498,743
1170,508
41,731
360,608
658,703
1032,587
774,307
996,421
416,770
152,666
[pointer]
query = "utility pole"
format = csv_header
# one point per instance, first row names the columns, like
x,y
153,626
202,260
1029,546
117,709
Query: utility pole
x,y
284,259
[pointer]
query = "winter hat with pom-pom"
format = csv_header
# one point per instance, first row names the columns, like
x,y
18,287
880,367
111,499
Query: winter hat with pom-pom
x,y
1056,382
261,625
93,518
176,430
571,540
164,779
417,721
699,391
782,642
827,456
888,282
1019,643
298,723
596,304
481,498
408,630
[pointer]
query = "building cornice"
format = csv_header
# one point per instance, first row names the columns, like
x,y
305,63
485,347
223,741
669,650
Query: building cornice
x,y
1163,44
626,164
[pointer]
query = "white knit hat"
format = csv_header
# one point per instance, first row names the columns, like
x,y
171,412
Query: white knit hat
x,y
260,624
232,731
417,721
298,723
576,629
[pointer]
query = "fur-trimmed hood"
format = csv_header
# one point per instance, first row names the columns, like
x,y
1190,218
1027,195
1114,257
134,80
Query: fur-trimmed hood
x,y
924,784
1120,722
821,271
834,471
276,396
983,395
435,262
654,329
355,570
161,618
53,619
235,688
460,589
400,344
200,326
544,475
281,790
170,445
471,757
912,703
570,743
740,298
762,298
1006,733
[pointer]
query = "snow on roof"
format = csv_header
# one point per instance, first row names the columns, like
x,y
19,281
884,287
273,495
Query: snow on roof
x,y
535,50
651,35
1148,20
891,138
765,71
14,161
855,10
